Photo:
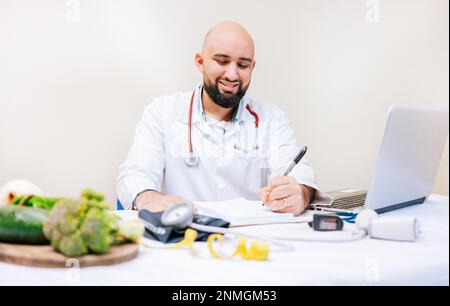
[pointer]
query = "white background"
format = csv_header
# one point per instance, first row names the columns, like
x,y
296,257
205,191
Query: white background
x,y
75,76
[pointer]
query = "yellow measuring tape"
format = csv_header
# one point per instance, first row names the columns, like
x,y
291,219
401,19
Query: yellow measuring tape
x,y
256,251
190,236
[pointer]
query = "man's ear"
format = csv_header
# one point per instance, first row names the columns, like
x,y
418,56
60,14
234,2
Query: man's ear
x,y
254,64
199,61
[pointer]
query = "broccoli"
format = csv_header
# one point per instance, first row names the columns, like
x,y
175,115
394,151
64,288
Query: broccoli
x,y
92,195
98,230
76,227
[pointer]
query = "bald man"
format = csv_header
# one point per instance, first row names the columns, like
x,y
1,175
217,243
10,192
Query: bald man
x,y
215,143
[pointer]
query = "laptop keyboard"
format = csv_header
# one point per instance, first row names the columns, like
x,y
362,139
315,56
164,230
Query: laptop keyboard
x,y
347,200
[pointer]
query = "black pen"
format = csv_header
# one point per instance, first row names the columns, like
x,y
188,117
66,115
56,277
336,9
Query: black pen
x,y
297,159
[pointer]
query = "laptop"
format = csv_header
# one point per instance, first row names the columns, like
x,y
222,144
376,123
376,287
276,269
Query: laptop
x,y
408,161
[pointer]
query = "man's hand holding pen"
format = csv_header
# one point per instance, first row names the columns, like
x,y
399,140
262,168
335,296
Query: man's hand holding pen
x,y
284,194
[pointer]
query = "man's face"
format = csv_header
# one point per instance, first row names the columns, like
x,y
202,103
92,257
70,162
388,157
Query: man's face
x,y
227,67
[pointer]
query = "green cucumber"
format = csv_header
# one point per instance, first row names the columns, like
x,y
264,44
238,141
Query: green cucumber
x,y
22,224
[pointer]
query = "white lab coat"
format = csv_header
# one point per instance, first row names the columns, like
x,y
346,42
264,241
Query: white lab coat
x,y
229,167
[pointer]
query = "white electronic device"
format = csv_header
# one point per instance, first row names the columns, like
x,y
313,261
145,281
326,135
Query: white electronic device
x,y
409,157
399,228
407,164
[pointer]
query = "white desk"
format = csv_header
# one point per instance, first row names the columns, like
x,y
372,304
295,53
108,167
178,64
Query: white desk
x,y
364,262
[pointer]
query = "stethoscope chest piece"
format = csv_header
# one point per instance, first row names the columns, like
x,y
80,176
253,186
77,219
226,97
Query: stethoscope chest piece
x,y
191,160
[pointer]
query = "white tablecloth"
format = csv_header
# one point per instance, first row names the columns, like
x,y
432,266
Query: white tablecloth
x,y
364,262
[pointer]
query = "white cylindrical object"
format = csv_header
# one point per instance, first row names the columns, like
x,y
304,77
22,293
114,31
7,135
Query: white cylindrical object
x,y
401,228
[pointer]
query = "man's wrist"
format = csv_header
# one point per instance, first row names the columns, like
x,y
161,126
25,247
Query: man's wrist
x,y
309,193
134,204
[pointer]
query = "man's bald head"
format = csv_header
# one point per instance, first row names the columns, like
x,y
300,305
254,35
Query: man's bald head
x,y
228,33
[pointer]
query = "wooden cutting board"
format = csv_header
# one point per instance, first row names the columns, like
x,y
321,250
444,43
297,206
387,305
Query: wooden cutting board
x,y
45,256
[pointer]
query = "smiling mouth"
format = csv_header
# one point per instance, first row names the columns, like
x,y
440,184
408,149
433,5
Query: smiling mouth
x,y
229,87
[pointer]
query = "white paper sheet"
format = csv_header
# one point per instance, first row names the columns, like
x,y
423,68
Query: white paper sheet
x,y
240,212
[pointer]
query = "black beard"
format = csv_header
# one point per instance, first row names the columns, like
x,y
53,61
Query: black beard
x,y
225,100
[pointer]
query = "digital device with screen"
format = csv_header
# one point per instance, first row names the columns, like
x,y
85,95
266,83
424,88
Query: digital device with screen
x,y
326,223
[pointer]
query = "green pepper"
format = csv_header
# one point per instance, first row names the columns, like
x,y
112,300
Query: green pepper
x,y
36,201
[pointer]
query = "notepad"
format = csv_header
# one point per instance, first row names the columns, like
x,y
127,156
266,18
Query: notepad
x,y
241,212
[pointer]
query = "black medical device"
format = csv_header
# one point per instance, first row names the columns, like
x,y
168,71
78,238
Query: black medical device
x,y
326,223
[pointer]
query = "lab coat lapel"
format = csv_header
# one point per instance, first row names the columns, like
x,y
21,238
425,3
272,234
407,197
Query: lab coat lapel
x,y
242,118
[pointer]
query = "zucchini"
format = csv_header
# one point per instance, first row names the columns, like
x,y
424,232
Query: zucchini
x,y
22,224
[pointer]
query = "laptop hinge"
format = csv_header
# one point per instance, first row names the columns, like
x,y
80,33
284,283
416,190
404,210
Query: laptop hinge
x,y
400,205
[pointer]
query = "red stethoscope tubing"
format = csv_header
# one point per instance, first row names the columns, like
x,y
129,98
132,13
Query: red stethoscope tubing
x,y
191,150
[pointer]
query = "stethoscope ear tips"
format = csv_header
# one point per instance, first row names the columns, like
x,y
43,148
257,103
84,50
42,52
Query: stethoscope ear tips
x,y
191,160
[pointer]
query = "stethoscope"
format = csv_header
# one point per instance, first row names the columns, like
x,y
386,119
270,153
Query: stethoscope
x,y
192,159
